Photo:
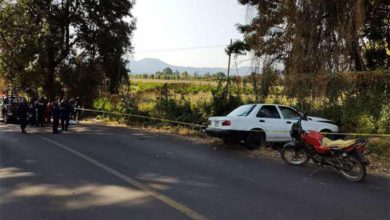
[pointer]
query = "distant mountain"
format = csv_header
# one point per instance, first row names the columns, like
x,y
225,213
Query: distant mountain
x,y
151,66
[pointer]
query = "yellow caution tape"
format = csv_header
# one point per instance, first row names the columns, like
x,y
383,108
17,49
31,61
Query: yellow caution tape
x,y
358,134
203,126
141,116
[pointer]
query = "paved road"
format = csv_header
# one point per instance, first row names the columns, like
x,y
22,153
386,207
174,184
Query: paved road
x,y
97,172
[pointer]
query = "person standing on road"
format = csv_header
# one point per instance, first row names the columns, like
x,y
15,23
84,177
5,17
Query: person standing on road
x,y
71,109
77,104
32,113
56,113
48,111
22,114
40,111
65,114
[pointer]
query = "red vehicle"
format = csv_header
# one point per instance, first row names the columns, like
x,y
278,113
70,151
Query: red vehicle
x,y
346,156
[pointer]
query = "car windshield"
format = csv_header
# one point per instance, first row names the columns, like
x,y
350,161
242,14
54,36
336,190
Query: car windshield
x,y
243,110
289,113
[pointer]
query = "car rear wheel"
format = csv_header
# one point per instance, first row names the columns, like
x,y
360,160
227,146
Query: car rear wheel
x,y
255,139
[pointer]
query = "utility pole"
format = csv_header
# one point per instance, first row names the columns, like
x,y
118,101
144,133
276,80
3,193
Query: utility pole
x,y
228,70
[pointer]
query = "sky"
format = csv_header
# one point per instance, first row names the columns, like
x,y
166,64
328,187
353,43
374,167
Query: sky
x,y
166,25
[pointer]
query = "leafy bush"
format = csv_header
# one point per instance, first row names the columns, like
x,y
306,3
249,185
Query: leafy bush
x,y
102,104
384,120
169,108
223,100
365,124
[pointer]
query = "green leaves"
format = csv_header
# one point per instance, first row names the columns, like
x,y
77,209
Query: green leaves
x,y
237,47
40,41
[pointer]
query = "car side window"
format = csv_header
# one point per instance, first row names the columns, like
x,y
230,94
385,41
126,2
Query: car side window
x,y
1,101
268,111
289,113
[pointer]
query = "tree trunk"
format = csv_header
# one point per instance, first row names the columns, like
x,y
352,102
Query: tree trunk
x,y
49,87
388,47
356,55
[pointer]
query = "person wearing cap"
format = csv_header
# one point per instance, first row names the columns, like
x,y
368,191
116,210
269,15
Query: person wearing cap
x,y
56,113
65,114
22,112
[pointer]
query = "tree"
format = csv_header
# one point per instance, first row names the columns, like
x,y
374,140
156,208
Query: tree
x,y
184,75
268,80
237,47
376,47
58,31
18,43
196,75
207,75
220,75
167,71
310,38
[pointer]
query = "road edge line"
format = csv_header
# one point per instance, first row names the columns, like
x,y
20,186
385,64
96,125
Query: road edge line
x,y
147,189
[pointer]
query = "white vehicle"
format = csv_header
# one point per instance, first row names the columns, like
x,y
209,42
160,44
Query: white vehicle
x,y
259,123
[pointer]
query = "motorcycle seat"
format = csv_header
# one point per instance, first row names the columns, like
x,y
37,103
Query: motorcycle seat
x,y
337,143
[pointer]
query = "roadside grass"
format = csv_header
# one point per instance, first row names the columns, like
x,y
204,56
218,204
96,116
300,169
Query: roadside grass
x,y
379,154
162,81
175,86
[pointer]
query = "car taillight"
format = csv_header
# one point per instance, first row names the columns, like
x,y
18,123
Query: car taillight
x,y
226,123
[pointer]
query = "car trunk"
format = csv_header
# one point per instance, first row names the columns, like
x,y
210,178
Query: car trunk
x,y
216,122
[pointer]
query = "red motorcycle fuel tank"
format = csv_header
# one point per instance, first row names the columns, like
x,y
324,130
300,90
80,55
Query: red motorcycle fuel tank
x,y
313,138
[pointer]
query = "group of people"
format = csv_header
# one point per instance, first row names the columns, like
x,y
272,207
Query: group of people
x,y
43,111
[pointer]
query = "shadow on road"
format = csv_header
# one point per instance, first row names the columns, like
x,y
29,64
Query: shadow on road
x,y
46,185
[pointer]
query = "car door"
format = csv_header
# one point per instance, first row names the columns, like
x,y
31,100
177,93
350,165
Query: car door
x,y
269,119
290,116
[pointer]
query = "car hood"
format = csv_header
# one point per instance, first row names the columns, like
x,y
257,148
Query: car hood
x,y
318,119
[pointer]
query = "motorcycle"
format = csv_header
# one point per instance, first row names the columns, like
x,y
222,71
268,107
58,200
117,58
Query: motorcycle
x,y
346,156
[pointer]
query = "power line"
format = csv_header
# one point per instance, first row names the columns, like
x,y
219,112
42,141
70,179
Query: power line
x,y
180,49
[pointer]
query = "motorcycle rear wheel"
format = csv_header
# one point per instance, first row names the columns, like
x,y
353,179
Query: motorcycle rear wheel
x,y
294,156
354,170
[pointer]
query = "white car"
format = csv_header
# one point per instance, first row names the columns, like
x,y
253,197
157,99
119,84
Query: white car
x,y
259,123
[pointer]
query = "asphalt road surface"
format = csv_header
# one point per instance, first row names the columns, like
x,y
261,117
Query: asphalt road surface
x,y
98,172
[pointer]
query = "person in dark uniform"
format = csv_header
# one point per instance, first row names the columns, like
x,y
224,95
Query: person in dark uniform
x,y
65,114
77,104
22,114
32,113
56,113
48,111
40,108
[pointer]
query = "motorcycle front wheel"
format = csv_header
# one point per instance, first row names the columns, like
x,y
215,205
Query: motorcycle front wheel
x,y
353,169
294,156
